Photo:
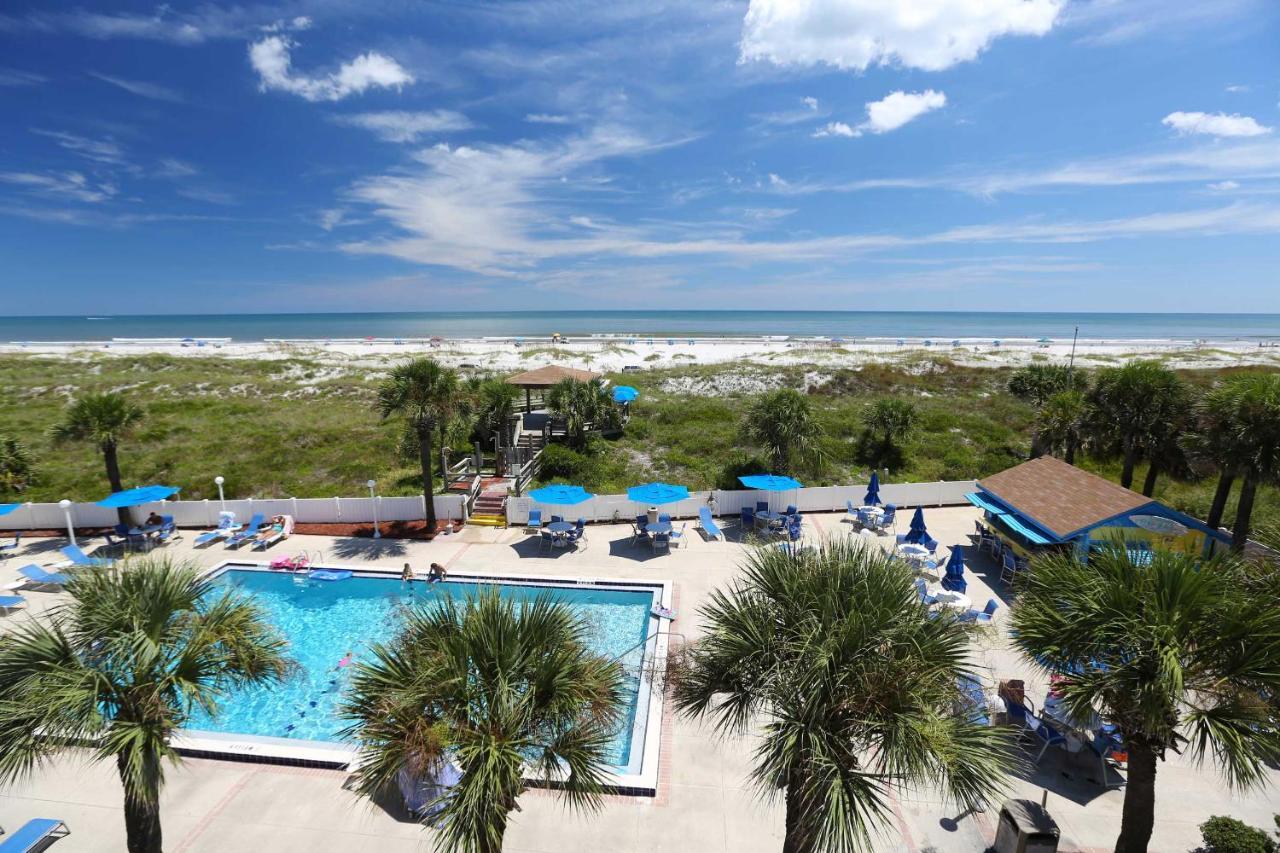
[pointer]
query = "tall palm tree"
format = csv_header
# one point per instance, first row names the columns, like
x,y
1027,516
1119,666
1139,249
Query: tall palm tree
x,y
102,420
582,406
121,666
428,395
1213,441
1036,383
833,658
491,685
15,466
890,421
1132,406
1176,653
494,406
1060,424
783,424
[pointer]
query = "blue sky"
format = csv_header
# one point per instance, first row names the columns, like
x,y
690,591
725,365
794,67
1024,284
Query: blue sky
x,y
327,155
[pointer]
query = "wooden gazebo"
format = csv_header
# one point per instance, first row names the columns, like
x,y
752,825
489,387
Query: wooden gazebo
x,y
542,378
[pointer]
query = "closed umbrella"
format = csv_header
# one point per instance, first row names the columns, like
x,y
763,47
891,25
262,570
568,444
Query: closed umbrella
x,y
918,532
872,497
657,493
624,394
954,578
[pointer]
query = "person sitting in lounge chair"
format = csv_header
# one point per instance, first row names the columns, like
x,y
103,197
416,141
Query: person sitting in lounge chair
x,y
153,520
278,529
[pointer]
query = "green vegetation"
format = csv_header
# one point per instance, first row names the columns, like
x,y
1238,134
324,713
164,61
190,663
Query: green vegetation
x,y
120,667
583,405
1223,834
833,659
15,467
495,686
782,424
299,427
1172,652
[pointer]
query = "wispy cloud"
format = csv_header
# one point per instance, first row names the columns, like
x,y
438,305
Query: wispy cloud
x,y
547,118
1215,124
407,126
14,78
98,150
270,57
66,184
1110,22
141,88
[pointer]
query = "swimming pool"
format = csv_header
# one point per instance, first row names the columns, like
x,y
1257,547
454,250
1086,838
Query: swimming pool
x,y
324,620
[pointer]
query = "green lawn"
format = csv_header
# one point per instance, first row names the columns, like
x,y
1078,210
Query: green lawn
x,y
297,427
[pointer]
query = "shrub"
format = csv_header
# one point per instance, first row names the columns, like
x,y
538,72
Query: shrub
x,y
1227,835
740,465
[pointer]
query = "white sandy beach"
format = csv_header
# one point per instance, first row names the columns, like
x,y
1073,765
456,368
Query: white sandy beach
x,y
617,353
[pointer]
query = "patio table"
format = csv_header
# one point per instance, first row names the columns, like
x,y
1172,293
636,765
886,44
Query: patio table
x,y
770,517
958,600
658,527
560,530
912,552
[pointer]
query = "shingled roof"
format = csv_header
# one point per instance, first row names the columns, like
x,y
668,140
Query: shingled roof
x,y
1059,497
545,377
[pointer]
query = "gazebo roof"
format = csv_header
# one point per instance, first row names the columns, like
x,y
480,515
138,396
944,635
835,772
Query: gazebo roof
x,y
545,377
1060,497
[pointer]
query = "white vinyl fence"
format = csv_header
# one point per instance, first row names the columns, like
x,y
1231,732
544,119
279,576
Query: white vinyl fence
x,y
35,516
819,499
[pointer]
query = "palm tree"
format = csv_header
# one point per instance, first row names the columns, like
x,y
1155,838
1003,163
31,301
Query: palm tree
x,y
889,421
428,395
1036,383
121,666
494,406
1176,653
834,660
582,406
15,466
102,420
1060,424
782,423
491,685
1133,407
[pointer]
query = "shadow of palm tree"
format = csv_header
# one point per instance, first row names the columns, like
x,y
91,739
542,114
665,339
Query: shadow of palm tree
x,y
45,545
367,549
641,552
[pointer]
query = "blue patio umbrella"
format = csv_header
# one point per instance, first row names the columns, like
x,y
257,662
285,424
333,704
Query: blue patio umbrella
x,y
872,497
954,578
624,394
770,482
918,532
138,496
5,509
561,495
657,493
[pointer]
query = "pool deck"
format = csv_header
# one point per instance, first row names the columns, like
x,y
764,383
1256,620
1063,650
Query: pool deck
x,y
703,804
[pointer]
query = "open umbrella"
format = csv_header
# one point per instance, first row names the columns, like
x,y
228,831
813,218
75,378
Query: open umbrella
x,y
954,578
872,497
561,495
624,394
5,509
918,533
138,496
770,482
657,493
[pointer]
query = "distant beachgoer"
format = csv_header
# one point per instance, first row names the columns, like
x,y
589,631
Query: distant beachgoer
x,y
438,572
407,574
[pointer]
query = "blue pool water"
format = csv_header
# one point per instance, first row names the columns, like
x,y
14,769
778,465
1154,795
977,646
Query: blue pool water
x,y
324,620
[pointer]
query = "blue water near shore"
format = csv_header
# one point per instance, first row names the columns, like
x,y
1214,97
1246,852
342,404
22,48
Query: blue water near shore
x,y
476,324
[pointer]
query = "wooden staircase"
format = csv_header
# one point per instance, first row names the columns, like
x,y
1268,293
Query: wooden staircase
x,y
490,509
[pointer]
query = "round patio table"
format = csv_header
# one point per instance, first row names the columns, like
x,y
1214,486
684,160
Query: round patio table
x,y
913,552
560,530
873,511
658,527
958,600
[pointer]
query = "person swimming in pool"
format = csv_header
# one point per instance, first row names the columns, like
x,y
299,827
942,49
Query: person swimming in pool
x,y
347,660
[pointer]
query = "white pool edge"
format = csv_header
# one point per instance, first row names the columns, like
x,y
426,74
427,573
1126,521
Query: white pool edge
x,y
275,750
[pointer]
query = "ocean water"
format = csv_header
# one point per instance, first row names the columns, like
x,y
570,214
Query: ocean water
x,y
324,620
944,325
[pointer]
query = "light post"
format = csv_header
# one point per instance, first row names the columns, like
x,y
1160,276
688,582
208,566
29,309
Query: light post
x,y
66,511
377,534
222,500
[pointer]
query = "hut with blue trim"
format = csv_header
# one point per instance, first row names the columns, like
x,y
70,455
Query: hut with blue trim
x,y
1046,503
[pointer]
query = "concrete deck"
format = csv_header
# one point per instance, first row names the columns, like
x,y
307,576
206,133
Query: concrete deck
x,y
703,803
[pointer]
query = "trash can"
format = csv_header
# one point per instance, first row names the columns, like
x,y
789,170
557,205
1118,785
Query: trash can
x,y
1025,827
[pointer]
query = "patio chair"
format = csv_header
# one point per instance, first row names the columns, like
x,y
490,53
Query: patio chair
x,y
247,532
1046,734
642,520
546,539
748,518
709,526
9,603
534,524
575,535
762,506
923,589
556,519
794,532
226,526
853,513
931,544
983,616
76,557
41,577
677,536
11,548
791,510
276,535
122,538
34,835
662,542
664,518
168,530
886,521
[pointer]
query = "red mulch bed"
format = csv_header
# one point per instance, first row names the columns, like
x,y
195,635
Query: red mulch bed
x,y
390,530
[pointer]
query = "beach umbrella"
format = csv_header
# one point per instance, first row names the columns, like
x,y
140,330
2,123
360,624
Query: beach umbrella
x,y
561,495
138,496
918,532
954,578
624,394
770,482
5,509
1045,341
872,497
657,493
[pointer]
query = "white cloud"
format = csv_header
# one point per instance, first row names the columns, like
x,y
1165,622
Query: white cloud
x,y
158,27
406,126
140,88
99,150
270,58
856,34
1214,124
1224,186
811,103
889,113
69,184
173,168
1111,22
836,128
547,118
1237,88
14,77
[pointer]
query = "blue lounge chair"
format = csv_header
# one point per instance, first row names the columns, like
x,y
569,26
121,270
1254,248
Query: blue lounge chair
x,y
11,602
79,558
249,531
1046,734
127,539
11,548
168,530
34,835
984,616
40,577
709,526
226,526
534,524
923,589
